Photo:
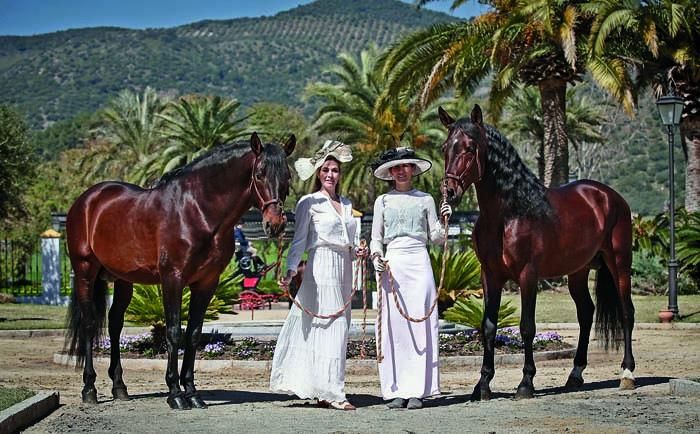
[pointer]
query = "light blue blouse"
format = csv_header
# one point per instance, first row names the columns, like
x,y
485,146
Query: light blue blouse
x,y
404,214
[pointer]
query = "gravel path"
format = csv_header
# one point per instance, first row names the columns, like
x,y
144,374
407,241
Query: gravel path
x,y
239,401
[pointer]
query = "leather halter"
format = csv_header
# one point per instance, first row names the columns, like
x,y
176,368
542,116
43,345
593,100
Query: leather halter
x,y
460,179
263,204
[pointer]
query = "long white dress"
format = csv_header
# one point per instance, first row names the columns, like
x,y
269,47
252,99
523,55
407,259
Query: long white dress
x,y
309,359
405,222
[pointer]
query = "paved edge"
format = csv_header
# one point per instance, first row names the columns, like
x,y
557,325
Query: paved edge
x,y
28,412
203,365
216,326
684,387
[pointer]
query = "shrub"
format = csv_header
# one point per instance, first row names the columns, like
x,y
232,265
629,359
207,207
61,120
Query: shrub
x,y
469,311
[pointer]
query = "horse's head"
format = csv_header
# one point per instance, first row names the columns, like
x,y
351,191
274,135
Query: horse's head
x,y
465,152
270,182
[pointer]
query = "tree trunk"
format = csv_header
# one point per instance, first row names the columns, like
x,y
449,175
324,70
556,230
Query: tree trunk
x,y
690,133
556,146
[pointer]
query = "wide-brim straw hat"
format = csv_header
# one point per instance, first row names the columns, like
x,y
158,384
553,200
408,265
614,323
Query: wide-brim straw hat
x,y
306,167
396,157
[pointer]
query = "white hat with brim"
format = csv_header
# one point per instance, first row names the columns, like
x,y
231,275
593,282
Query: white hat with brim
x,y
396,157
306,167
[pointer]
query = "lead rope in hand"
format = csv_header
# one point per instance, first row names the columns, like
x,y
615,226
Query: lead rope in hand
x,y
390,278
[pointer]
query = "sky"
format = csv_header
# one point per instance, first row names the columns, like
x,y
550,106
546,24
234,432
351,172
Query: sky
x,y
31,17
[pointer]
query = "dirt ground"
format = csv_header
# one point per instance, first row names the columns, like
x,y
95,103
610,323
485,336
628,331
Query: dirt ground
x,y
239,400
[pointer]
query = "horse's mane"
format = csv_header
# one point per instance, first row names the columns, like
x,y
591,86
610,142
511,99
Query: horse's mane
x,y
523,194
216,155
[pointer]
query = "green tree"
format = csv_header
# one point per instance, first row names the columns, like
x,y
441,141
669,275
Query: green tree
x,y
583,122
132,125
657,43
17,162
537,43
194,124
350,111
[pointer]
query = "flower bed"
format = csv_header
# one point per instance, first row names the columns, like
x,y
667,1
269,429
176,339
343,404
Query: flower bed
x,y
508,341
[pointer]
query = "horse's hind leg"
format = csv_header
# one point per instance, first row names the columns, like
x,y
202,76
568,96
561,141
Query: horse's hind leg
x,y
622,275
578,288
122,297
198,305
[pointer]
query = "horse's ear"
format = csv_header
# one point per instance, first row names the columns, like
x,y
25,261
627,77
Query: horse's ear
x,y
256,144
445,117
289,146
477,117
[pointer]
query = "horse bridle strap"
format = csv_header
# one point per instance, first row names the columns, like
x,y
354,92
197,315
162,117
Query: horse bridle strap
x,y
263,203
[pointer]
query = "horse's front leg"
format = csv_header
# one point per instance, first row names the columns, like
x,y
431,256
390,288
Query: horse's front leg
x,y
489,324
122,297
528,299
201,296
172,301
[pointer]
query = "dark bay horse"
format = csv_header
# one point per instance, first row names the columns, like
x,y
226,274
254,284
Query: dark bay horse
x,y
527,232
176,234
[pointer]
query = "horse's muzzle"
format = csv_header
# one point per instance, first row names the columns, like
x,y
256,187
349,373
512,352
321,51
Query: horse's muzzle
x,y
274,221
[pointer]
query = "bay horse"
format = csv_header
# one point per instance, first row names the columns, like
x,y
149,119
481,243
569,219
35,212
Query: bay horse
x,y
176,234
527,232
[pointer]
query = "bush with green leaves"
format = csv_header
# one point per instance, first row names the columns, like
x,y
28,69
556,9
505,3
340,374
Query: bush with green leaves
x,y
146,305
462,274
469,311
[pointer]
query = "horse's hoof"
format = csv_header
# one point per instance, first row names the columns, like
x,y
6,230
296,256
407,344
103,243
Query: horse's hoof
x,y
89,396
480,394
120,393
627,384
196,402
574,383
524,392
178,402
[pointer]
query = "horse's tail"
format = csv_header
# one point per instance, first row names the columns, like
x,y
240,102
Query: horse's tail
x,y
83,324
608,325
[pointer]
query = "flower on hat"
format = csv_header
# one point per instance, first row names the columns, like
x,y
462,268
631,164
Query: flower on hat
x,y
306,167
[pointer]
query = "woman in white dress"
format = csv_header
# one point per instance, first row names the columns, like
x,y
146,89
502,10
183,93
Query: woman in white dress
x,y
309,359
405,221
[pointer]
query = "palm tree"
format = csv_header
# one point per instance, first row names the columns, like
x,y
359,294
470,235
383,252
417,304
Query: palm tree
x,y
132,132
538,43
350,112
193,124
655,43
583,123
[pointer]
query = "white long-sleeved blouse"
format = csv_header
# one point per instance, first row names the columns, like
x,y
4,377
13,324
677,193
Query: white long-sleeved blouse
x,y
317,223
404,214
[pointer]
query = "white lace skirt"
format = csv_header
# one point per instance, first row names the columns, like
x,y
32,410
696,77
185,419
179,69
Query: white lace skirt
x,y
309,358
410,365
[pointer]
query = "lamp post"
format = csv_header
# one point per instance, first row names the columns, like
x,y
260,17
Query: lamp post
x,y
670,108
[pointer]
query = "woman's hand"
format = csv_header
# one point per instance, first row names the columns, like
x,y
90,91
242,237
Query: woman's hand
x,y
286,280
379,263
445,210
361,252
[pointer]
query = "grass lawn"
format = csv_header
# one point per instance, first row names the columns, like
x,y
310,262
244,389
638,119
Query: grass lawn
x,y
559,307
31,316
10,397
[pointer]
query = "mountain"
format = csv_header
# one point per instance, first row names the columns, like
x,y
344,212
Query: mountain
x,y
54,76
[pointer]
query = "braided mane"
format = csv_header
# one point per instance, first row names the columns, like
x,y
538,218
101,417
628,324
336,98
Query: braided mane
x,y
522,193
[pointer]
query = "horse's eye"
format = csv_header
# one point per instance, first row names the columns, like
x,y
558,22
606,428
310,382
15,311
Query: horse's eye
x,y
259,176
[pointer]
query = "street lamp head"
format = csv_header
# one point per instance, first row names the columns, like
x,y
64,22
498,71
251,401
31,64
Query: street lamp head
x,y
670,109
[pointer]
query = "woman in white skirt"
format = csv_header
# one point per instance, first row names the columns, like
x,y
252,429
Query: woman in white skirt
x,y
309,359
405,221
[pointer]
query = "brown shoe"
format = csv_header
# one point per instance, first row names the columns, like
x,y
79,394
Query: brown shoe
x,y
345,405
323,404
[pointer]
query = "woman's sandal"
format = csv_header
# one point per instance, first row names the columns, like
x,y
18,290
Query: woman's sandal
x,y
345,405
323,404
